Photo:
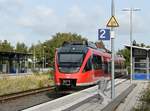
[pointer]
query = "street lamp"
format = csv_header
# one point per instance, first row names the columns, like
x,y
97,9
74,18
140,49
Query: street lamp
x,y
131,10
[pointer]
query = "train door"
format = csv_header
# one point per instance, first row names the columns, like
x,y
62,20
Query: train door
x,y
106,66
97,66
88,72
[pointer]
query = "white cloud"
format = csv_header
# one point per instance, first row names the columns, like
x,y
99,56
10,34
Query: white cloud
x,y
9,7
41,20
42,12
75,11
83,22
10,37
138,25
45,22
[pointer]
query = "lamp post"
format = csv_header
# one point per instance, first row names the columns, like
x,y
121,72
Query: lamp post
x,y
131,10
34,56
43,56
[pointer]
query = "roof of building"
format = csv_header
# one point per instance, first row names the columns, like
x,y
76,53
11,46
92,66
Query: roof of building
x,y
137,47
13,53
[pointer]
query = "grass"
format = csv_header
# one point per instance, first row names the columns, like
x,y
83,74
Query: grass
x,y
10,85
144,101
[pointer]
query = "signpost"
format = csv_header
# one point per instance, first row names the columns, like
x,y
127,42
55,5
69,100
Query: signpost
x,y
112,23
103,34
106,34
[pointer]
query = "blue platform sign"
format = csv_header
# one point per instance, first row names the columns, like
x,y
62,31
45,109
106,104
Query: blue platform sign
x,y
103,34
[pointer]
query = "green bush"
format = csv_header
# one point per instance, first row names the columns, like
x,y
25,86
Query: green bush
x,y
144,101
22,83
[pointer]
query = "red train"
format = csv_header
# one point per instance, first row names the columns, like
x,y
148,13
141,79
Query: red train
x,y
82,64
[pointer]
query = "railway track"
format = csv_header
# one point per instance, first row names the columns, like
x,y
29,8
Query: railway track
x,y
8,97
30,98
24,100
12,96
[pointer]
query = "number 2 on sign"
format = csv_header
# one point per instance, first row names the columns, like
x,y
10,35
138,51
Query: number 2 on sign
x,y
102,34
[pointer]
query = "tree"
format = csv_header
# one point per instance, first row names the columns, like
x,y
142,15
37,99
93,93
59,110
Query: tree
x,y
36,50
47,49
142,45
21,47
57,41
100,44
134,43
126,54
5,46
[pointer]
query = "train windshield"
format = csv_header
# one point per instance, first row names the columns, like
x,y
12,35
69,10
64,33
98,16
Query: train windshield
x,y
73,58
69,62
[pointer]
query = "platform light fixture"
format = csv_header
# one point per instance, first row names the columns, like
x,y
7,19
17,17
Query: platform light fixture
x,y
131,10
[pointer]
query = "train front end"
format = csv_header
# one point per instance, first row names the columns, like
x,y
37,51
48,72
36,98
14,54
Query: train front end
x,y
69,61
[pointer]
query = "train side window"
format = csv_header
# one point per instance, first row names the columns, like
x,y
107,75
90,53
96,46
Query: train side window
x,y
97,62
106,67
109,67
94,62
88,65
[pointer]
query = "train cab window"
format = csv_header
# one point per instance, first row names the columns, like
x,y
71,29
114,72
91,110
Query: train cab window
x,y
97,62
88,65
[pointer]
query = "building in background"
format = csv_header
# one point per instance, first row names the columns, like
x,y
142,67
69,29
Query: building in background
x,y
14,62
141,62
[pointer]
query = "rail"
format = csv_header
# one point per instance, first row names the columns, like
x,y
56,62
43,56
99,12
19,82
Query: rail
x,y
7,97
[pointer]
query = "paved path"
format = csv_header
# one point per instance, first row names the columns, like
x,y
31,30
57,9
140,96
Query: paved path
x,y
133,98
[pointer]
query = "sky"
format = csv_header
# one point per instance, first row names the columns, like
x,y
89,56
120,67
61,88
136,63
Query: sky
x,y
30,21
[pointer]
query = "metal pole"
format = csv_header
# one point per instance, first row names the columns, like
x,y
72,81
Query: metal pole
x,y
131,45
43,57
147,62
112,71
112,50
34,56
131,31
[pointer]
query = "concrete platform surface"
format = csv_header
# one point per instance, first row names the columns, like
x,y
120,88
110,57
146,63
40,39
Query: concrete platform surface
x,y
96,104
127,105
133,98
72,99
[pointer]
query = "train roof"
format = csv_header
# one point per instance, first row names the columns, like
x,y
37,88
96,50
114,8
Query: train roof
x,y
79,47
83,47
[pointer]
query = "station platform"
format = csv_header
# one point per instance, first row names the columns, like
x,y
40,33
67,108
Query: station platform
x,y
88,100
75,101
131,100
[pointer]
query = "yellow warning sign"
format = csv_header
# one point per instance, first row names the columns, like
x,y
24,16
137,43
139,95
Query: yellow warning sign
x,y
112,22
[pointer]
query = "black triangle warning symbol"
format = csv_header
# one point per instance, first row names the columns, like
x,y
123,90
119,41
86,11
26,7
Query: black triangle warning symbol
x,y
112,22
